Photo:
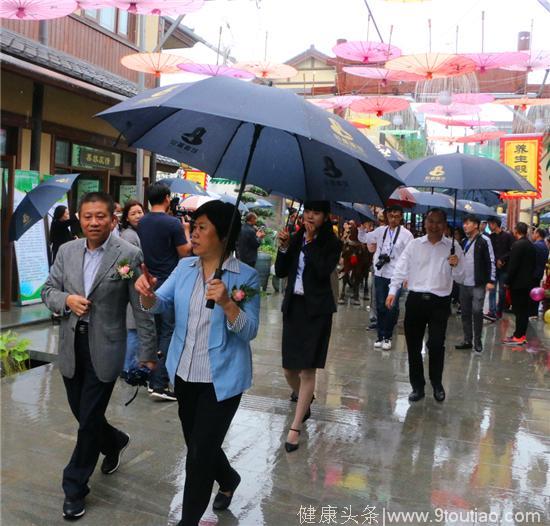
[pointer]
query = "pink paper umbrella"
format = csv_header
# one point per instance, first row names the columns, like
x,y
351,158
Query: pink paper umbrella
x,y
341,102
159,7
213,70
433,65
450,110
268,70
523,102
485,61
481,138
472,98
442,138
465,123
36,9
382,74
535,60
93,4
155,63
379,105
325,104
365,51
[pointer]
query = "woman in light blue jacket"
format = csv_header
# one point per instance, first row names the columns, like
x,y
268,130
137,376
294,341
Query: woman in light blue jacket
x,y
209,359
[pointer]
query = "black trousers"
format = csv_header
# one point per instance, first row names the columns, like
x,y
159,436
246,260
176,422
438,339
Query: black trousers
x,y
520,308
88,398
426,310
205,422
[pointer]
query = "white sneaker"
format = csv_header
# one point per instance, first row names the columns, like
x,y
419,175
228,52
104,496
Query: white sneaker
x,y
386,345
378,344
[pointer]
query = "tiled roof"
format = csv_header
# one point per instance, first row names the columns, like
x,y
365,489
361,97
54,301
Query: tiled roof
x,y
29,50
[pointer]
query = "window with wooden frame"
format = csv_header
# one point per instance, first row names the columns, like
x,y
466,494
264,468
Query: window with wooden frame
x,y
116,21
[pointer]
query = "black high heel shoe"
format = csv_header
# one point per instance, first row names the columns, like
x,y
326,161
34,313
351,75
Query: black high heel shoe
x,y
292,447
307,416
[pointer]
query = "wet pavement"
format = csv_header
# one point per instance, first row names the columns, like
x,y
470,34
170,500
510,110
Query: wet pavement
x,y
366,454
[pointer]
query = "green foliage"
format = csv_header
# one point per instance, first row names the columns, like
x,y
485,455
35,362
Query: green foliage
x,y
248,197
256,190
13,353
413,147
262,212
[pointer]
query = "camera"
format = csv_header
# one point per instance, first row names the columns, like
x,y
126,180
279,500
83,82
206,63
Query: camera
x,y
382,260
138,376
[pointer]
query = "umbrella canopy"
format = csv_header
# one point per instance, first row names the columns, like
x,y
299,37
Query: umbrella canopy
x,y
36,204
231,199
432,65
155,63
228,128
325,104
535,60
357,212
462,172
442,138
268,70
159,7
545,217
36,9
472,98
341,102
366,51
394,157
487,197
195,201
421,202
464,123
183,186
478,209
523,102
482,137
369,122
259,203
449,110
382,74
214,70
379,105
485,61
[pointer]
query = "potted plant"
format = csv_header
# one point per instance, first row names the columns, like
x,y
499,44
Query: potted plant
x,y
14,354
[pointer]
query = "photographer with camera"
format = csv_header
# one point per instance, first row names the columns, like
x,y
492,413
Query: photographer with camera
x,y
387,243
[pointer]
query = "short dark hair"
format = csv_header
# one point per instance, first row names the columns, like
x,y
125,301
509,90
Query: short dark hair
x,y
472,219
495,220
394,208
522,228
219,214
157,192
98,197
126,210
439,211
58,212
542,232
249,216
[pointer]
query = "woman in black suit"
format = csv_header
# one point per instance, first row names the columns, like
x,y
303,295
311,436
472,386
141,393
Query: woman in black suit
x,y
307,259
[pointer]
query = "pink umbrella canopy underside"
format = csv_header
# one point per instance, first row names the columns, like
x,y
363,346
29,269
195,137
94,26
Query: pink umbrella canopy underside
x,y
379,105
268,70
382,74
482,137
343,101
535,60
366,51
485,61
473,98
159,7
155,63
450,110
214,70
325,104
36,9
465,123
433,65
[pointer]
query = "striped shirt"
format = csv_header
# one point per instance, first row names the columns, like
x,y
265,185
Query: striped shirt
x,y
194,365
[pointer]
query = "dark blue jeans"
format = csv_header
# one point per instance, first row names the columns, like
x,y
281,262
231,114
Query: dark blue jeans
x,y
387,319
165,324
496,307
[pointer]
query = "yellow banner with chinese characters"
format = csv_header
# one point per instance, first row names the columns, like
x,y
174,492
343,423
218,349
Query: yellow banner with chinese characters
x,y
196,176
522,154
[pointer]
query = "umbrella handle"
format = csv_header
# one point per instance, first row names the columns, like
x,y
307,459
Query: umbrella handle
x,y
217,275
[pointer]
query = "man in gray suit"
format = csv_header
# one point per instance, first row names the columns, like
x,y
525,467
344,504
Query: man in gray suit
x,y
90,284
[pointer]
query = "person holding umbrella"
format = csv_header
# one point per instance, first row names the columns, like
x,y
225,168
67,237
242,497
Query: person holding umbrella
x,y
60,229
307,259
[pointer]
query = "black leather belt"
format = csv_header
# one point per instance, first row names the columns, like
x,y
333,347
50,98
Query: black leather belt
x,y
82,327
428,296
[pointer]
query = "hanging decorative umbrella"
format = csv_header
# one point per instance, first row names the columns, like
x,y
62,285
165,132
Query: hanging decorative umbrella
x,y
268,70
535,60
154,63
482,137
523,102
369,122
442,138
432,65
159,7
341,102
485,61
465,123
379,105
36,9
322,103
472,98
93,4
366,51
214,70
450,110
382,74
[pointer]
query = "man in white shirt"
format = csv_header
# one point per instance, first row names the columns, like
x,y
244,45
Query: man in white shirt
x,y
387,243
429,266
362,235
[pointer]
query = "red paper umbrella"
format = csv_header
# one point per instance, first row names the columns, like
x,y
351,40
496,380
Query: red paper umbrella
x,y
159,7
460,122
523,102
449,110
155,63
342,102
432,65
379,105
481,138
485,61
365,51
36,9
472,98
213,70
402,197
535,60
382,74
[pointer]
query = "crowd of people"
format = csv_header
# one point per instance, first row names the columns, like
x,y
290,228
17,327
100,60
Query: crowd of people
x,y
132,295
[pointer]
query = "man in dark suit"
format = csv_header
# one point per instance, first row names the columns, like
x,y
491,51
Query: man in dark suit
x,y
90,284
521,268
250,240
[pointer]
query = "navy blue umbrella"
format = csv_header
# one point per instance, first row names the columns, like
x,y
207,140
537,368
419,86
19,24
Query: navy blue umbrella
x,y
36,204
183,186
357,212
395,158
487,197
478,209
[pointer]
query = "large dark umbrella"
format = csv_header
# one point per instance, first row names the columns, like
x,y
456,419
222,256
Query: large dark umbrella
x,y
355,211
487,197
251,133
36,204
395,158
478,209
183,186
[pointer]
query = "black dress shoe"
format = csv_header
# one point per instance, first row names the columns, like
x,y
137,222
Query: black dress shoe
x,y
293,397
463,346
478,348
111,462
292,447
222,501
73,509
416,395
439,393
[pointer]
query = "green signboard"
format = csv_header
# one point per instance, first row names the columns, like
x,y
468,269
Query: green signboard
x,y
86,157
